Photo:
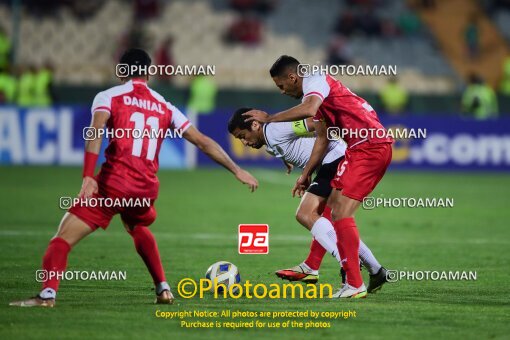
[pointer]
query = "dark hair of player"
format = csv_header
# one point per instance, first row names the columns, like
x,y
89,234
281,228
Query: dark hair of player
x,y
135,56
283,65
238,120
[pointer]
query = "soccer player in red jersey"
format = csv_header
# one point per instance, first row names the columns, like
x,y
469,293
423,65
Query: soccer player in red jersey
x,y
367,157
128,173
293,143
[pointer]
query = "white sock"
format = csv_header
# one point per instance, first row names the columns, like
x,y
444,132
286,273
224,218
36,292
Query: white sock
x,y
48,293
308,269
325,234
161,287
368,259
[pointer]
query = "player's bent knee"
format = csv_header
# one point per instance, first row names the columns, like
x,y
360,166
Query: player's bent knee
x,y
307,218
301,218
72,229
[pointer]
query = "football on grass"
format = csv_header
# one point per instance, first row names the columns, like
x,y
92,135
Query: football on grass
x,y
226,274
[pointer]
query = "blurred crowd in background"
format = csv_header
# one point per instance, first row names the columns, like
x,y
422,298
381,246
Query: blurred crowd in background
x,y
354,32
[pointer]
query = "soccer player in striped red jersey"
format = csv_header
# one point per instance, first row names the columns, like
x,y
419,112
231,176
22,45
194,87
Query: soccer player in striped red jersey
x,y
367,157
128,173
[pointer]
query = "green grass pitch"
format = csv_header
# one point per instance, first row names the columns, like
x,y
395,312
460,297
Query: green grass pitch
x,y
198,215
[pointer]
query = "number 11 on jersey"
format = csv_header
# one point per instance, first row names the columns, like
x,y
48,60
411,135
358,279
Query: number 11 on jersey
x,y
139,119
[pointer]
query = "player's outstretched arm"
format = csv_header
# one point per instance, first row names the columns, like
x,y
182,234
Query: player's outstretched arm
x,y
319,150
92,149
308,108
216,153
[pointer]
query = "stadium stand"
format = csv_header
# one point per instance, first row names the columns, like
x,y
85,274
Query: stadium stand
x,y
86,58
449,31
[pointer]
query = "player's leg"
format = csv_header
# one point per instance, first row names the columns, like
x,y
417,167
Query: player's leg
x,y
368,259
310,209
315,215
70,231
376,271
317,251
309,215
147,248
315,255
356,178
343,209
321,186
308,212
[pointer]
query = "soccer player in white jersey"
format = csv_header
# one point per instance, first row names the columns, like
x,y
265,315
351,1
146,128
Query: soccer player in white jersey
x,y
293,143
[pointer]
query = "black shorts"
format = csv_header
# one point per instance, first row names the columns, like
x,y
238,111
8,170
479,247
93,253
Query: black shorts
x,y
321,184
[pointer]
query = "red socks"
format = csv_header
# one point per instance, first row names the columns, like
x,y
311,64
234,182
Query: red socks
x,y
348,246
315,256
55,258
317,251
148,249
54,262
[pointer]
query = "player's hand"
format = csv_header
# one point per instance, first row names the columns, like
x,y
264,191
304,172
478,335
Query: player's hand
x,y
289,167
302,183
246,178
88,187
257,115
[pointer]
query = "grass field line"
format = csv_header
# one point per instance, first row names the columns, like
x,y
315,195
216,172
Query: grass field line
x,y
273,237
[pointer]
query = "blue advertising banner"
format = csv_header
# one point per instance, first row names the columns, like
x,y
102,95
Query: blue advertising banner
x,y
452,143
54,136
449,143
